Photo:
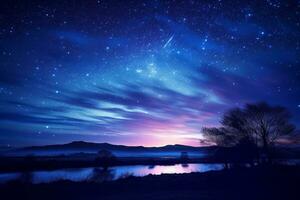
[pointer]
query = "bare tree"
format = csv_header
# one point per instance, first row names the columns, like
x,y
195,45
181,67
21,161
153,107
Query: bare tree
x,y
267,123
260,124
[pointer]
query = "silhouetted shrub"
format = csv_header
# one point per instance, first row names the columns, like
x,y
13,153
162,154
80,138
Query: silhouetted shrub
x,y
105,158
126,175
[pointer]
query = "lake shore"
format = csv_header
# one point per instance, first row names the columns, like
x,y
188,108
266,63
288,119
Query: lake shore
x,y
17,164
34,163
272,182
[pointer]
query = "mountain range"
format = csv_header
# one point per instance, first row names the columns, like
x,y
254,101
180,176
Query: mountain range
x,y
90,147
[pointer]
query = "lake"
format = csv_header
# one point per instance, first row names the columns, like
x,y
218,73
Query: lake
x,y
113,173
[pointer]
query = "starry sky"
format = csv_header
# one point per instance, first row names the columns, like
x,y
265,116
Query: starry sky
x,y
141,72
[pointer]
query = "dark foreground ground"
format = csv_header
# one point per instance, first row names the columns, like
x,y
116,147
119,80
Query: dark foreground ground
x,y
280,182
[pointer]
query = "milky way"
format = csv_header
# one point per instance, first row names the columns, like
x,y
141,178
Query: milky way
x,y
141,72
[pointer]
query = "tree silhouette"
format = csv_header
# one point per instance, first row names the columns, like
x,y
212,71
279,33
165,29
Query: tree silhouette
x,y
259,124
105,158
267,123
184,156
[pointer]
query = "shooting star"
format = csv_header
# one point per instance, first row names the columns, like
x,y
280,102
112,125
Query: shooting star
x,y
168,42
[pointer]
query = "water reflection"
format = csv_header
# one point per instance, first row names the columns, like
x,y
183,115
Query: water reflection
x,y
26,177
185,165
101,174
113,173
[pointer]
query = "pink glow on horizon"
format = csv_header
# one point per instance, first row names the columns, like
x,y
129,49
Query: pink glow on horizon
x,y
185,130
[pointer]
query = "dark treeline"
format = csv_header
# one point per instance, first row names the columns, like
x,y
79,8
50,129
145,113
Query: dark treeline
x,y
31,163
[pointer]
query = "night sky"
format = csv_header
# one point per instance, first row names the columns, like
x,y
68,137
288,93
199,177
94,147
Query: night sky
x,y
141,72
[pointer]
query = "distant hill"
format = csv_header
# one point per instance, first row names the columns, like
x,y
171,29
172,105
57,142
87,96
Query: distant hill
x,y
81,145
85,148
89,147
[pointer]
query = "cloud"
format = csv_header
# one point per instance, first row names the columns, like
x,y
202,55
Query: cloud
x,y
240,28
228,86
134,109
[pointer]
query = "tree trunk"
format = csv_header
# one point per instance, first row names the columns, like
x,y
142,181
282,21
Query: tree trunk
x,y
266,148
